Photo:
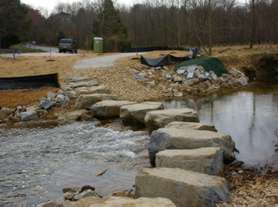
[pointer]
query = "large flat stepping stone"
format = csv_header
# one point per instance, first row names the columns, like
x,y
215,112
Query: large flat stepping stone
x,y
91,90
184,188
87,100
109,108
129,202
171,138
160,118
80,84
135,114
191,125
204,160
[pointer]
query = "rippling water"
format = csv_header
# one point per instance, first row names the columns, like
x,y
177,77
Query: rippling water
x,y
36,164
251,118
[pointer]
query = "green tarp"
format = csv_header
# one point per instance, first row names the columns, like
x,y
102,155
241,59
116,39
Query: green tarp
x,y
208,63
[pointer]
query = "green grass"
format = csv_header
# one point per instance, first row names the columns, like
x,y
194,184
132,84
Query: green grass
x,y
21,48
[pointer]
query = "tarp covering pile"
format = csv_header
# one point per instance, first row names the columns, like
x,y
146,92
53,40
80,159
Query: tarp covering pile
x,y
29,82
161,61
208,63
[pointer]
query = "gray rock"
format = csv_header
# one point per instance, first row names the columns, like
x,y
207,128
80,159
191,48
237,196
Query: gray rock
x,y
91,90
172,138
73,116
51,96
62,99
129,202
203,160
46,104
135,114
160,118
51,204
85,194
184,188
80,84
109,108
191,125
28,115
86,101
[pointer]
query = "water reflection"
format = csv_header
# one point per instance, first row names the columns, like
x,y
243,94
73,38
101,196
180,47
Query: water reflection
x,y
251,119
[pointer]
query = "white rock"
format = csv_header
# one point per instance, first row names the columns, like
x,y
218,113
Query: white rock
x,y
203,160
80,84
28,115
184,188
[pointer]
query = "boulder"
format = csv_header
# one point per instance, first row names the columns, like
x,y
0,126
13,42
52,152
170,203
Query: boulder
x,y
191,125
204,160
109,108
124,202
171,138
160,118
62,99
86,101
80,84
91,90
70,117
184,188
5,113
57,203
135,114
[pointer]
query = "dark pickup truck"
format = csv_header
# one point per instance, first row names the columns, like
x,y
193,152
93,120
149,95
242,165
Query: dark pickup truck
x,y
67,45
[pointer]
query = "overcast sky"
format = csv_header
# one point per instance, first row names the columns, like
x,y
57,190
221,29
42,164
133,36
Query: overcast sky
x,y
50,4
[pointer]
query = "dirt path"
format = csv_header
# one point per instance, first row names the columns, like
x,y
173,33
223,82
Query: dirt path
x,y
101,62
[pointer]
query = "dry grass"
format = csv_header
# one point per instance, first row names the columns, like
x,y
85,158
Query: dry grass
x,y
23,97
242,56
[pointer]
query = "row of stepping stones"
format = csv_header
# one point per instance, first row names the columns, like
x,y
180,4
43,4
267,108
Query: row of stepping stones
x,y
187,157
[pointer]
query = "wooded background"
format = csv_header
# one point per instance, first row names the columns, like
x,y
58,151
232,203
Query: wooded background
x,y
154,23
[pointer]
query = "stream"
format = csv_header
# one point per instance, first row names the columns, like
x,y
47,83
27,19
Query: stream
x,y
35,165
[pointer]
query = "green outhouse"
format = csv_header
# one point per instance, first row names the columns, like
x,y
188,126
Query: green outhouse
x,y
98,44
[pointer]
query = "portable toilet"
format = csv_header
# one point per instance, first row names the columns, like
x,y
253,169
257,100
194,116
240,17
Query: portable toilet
x,y
98,44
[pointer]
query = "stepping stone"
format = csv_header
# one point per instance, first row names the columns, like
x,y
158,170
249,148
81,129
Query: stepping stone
x,y
91,90
135,114
78,79
158,119
204,160
86,101
191,125
130,202
83,84
171,138
109,108
184,188
70,117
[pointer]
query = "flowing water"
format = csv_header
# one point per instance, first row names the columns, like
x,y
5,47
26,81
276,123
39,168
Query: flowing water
x,y
251,118
36,164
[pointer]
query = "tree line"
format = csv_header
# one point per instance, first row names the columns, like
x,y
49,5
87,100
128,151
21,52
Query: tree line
x,y
153,23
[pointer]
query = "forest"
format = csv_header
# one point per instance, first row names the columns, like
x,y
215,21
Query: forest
x,y
156,23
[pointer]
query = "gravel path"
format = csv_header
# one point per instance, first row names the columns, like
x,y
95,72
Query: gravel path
x,y
102,61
